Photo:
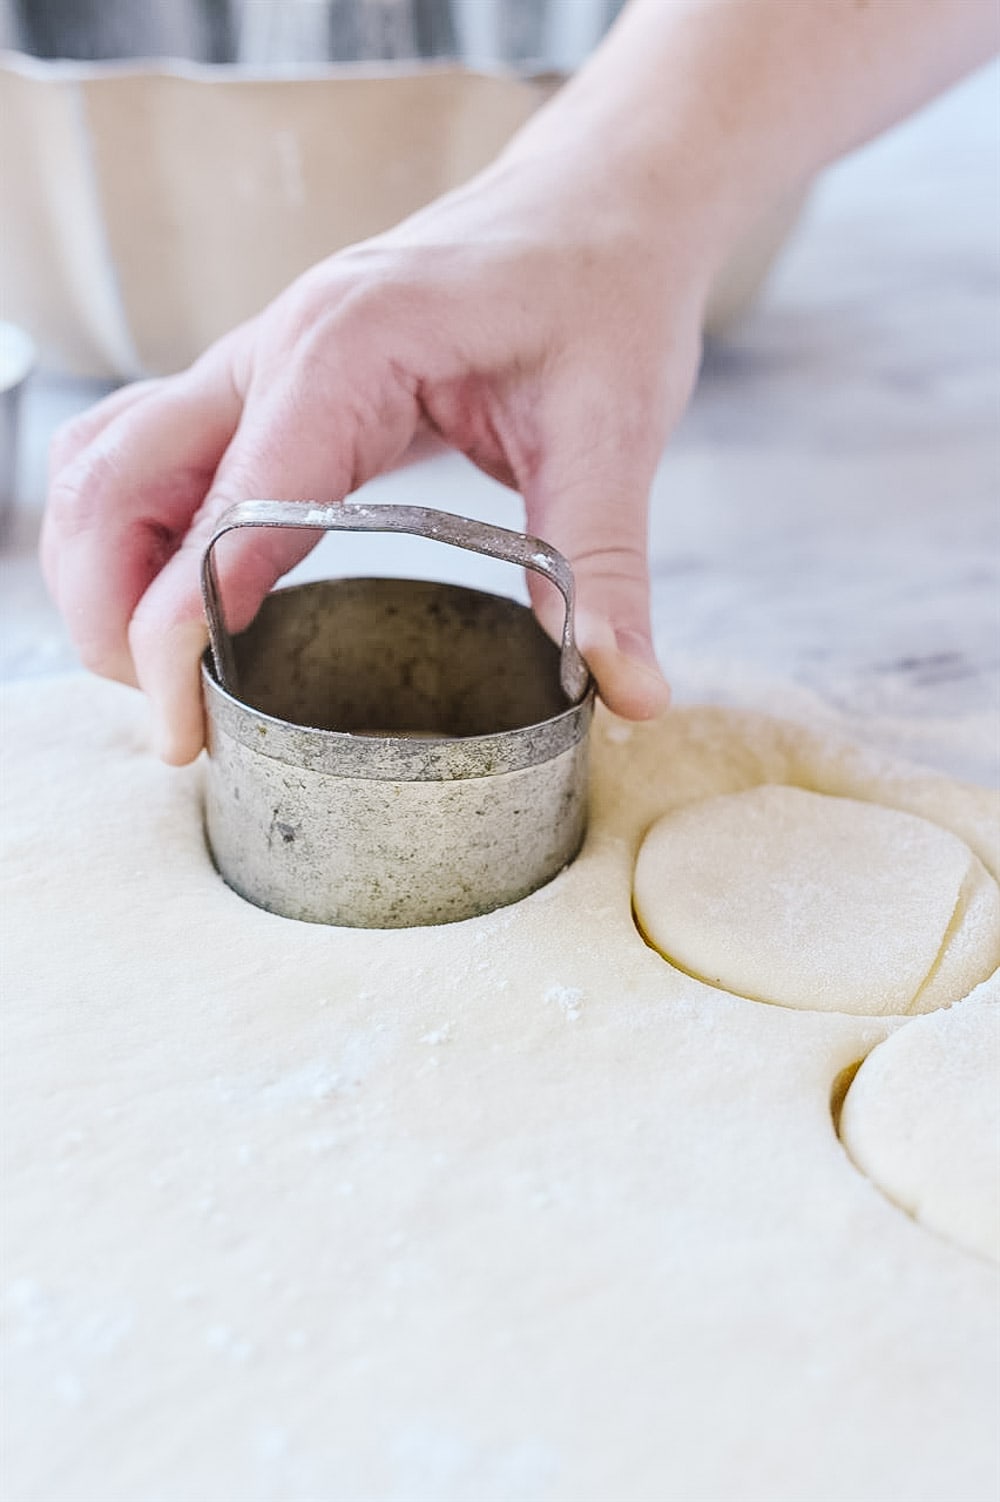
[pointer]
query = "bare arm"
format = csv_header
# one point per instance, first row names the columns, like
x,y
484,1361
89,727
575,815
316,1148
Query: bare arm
x,y
738,102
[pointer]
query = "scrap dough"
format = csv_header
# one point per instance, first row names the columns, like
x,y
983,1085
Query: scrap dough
x,y
507,1209
785,895
922,1120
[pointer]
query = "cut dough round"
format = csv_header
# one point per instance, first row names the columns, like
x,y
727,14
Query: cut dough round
x,y
922,1121
828,904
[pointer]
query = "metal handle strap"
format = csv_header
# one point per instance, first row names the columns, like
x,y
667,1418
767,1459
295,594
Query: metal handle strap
x,y
419,521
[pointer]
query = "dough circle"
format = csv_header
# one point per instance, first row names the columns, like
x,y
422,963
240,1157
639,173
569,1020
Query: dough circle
x,y
922,1121
822,903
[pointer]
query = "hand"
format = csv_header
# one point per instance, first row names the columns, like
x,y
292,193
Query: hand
x,y
545,320
534,320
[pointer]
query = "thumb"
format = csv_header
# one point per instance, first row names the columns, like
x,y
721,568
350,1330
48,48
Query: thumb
x,y
598,521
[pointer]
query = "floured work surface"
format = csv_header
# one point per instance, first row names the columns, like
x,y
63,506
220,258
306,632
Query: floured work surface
x,y
508,1209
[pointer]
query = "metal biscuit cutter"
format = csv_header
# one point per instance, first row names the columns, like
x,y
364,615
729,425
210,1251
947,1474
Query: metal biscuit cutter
x,y
391,752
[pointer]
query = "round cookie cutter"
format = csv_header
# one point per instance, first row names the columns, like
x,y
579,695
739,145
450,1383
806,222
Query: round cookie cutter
x,y
385,753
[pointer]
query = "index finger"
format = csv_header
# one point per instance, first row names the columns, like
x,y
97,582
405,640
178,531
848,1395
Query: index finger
x,y
122,506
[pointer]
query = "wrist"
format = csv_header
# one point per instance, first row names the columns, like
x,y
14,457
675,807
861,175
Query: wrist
x,y
652,158
717,110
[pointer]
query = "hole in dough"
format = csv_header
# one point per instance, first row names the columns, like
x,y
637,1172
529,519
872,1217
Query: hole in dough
x,y
922,1121
826,904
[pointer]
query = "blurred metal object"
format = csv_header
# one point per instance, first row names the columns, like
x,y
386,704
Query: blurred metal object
x,y
149,209
102,30
391,752
550,34
17,360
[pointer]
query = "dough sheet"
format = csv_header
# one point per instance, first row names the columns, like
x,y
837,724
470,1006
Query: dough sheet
x,y
510,1209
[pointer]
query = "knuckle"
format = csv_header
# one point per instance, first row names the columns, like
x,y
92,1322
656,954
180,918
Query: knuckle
x,y
76,494
617,564
66,510
309,303
359,292
67,441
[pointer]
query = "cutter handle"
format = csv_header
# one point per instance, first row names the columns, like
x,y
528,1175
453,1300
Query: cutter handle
x,y
419,521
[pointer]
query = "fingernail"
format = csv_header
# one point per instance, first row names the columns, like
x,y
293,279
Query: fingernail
x,y
593,632
636,647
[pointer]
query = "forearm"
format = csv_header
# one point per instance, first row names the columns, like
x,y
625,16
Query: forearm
x,y
720,106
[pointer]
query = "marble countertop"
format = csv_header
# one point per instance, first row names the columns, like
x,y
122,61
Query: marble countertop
x,y
826,521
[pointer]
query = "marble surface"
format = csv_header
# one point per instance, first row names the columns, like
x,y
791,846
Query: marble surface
x,y
825,527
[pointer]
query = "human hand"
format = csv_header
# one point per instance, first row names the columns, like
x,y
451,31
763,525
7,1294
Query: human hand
x,y
536,320
545,320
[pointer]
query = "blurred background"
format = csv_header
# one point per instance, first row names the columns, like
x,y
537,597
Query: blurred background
x,y
260,33
825,522
166,169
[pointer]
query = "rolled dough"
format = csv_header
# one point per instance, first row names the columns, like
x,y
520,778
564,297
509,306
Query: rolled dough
x,y
922,1120
785,895
510,1209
